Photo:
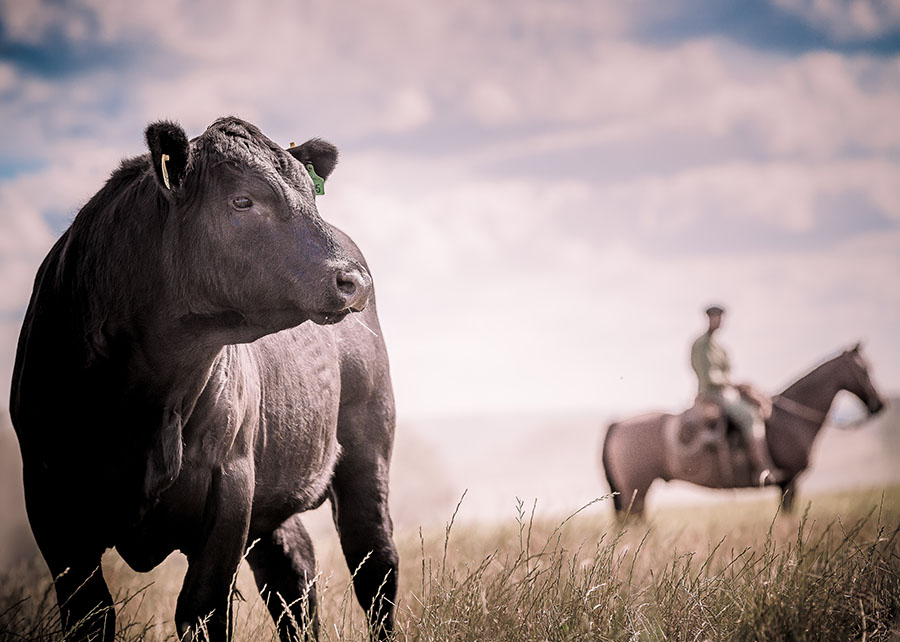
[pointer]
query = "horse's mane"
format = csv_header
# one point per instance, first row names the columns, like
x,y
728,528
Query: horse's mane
x,y
800,382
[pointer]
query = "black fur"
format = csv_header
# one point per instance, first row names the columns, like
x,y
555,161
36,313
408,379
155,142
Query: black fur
x,y
155,324
322,154
165,137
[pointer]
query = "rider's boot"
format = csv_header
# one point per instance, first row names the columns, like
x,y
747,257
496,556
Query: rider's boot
x,y
769,474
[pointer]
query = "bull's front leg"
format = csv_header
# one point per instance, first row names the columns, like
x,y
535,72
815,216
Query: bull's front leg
x,y
204,604
68,534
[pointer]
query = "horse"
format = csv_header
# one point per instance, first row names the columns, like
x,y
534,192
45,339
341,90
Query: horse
x,y
189,377
699,446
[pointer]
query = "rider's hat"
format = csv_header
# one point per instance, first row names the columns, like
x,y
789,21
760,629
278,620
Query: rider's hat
x,y
714,309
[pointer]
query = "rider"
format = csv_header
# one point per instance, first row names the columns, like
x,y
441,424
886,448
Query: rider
x,y
710,361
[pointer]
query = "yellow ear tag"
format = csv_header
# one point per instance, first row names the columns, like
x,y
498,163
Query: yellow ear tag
x,y
162,161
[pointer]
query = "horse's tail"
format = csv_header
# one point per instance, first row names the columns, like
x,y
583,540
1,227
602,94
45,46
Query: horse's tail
x,y
618,500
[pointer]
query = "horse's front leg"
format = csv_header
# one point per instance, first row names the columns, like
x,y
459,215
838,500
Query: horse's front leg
x,y
204,604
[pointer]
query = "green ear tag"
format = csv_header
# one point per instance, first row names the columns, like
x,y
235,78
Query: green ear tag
x,y
318,181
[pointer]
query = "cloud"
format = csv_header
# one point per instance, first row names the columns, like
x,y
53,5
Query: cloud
x,y
7,77
847,20
407,66
27,200
458,215
491,104
407,108
544,295
32,22
816,106
546,201
610,330
585,339
785,195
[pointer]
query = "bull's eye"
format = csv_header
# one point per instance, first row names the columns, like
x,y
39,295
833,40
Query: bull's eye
x,y
241,203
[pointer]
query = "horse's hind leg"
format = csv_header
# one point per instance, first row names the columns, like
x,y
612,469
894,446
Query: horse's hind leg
x,y
359,496
284,566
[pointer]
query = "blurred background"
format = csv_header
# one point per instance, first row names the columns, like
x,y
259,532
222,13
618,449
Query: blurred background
x,y
548,195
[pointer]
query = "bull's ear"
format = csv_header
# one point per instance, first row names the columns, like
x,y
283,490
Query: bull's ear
x,y
169,152
322,154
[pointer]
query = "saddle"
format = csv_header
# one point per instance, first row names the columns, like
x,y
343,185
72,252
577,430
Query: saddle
x,y
704,431
756,397
703,420
707,413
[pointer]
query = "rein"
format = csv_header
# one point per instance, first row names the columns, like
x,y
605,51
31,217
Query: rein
x,y
864,385
812,415
799,410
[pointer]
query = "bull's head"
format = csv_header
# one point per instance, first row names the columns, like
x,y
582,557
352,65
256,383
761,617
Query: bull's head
x,y
245,243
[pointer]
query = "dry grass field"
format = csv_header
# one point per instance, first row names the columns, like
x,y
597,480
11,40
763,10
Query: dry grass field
x,y
721,572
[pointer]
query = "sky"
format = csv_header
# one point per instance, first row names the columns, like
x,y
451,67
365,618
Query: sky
x,y
548,193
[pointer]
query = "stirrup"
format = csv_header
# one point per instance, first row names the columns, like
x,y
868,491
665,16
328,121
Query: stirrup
x,y
771,477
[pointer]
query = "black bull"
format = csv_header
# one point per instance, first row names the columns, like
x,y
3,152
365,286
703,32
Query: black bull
x,y
169,393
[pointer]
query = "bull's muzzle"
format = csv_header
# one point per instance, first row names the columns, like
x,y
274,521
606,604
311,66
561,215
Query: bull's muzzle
x,y
354,286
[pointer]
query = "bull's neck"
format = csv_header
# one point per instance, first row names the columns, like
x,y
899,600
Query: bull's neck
x,y
166,361
141,353
132,304
150,350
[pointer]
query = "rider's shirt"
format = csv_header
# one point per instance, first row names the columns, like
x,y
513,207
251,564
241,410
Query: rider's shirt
x,y
710,361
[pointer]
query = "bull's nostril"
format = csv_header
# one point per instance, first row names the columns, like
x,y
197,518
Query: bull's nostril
x,y
348,283
353,286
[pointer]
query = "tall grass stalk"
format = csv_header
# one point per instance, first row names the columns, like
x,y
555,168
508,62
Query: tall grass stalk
x,y
711,574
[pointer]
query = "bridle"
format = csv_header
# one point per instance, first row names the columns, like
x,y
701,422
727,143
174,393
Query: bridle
x,y
812,415
865,386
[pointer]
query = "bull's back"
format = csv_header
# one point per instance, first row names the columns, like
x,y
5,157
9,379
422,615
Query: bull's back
x,y
41,359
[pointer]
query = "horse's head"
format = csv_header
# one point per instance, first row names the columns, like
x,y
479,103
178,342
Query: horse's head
x,y
244,240
856,379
